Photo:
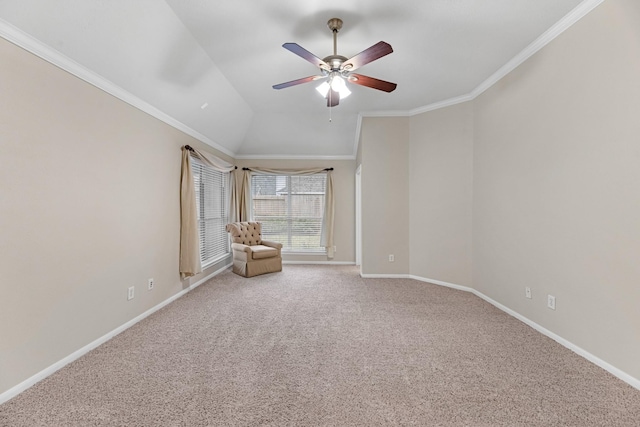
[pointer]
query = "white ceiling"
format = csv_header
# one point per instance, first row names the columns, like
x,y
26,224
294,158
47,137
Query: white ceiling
x,y
177,55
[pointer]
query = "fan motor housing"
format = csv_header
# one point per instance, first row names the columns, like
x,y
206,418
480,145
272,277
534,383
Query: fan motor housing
x,y
335,61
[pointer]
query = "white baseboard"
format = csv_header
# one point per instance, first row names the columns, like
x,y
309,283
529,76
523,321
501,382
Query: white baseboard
x,y
632,381
320,262
385,276
14,391
445,284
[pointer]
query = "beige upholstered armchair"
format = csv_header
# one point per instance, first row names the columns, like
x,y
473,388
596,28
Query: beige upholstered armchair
x,y
252,255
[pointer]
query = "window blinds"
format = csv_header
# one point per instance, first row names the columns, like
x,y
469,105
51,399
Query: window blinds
x,y
290,209
211,188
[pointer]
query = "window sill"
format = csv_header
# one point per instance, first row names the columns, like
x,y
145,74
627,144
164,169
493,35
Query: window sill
x,y
214,261
304,252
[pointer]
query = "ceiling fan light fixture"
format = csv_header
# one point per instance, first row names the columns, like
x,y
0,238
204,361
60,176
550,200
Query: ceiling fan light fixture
x,y
323,89
337,83
344,93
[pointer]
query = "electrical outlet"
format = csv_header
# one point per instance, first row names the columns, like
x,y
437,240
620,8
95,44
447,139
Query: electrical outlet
x,y
391,258
551,302
527,292
131,293
150,284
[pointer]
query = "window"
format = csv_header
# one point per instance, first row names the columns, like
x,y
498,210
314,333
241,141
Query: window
x,y
211,206
290,209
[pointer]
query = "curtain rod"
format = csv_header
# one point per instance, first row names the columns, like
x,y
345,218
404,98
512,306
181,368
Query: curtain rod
x,y
326,169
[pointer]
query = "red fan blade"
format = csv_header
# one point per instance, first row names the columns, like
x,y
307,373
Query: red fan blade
x,y
305,54
333,98
297,82
367,81
376,51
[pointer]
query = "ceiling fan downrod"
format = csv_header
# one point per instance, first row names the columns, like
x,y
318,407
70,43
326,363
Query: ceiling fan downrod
x,y
335,24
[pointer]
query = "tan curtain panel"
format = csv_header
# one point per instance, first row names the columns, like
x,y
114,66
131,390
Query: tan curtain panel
x,y
234,200
326,238
245,197
329,213
189,239
211,160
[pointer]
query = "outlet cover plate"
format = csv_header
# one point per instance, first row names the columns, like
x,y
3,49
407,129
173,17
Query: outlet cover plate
x,y
551,302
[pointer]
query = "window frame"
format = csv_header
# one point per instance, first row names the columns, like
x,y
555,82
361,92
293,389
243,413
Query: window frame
x,y
320,250
200,194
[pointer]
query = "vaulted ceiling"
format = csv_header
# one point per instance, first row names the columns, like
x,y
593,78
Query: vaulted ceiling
x,y
178,55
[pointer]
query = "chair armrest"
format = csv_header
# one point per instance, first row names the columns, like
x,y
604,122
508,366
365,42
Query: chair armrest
x,y
272,244
240,247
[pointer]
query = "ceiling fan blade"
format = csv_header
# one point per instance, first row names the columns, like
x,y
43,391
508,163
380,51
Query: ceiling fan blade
x,y
376,51
305,54
297,82
367,81
333,98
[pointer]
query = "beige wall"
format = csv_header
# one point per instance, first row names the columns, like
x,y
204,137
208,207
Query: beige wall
x,y
417,194
344,188
440,182
90,203
89,206
557,186
539,176
385,195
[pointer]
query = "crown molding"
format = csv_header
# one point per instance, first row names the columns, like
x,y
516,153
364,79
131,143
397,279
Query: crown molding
x,y
47,53
441,104
430,107
558,28
36,47
388,113
29,43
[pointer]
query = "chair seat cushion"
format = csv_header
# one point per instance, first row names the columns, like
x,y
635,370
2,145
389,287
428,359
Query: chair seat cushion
x,y
261,251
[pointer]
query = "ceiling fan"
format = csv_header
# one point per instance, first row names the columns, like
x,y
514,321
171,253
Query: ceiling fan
x,y
337,69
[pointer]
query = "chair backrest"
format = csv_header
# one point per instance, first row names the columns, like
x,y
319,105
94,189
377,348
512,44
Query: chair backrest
x,y
247,233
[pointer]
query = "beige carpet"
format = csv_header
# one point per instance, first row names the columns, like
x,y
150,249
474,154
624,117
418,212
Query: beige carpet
x,y
318,345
